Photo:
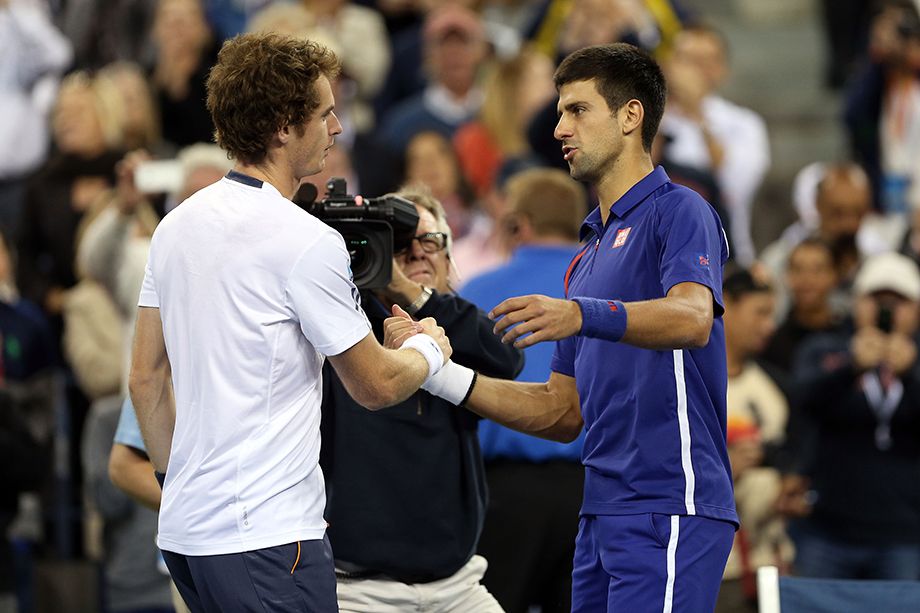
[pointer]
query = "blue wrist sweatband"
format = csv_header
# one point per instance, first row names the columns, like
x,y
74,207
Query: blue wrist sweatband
x,y
605,319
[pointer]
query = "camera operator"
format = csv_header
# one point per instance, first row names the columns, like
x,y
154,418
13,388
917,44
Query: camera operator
x,y
862,390
419,461
244,297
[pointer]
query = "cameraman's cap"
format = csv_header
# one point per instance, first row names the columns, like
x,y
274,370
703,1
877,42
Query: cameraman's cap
x,y
888,271
452,19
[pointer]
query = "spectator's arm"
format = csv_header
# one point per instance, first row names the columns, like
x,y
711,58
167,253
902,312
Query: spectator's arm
x,y
132,473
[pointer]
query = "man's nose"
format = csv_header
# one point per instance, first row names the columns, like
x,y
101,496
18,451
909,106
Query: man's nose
x,y
335,126
562,130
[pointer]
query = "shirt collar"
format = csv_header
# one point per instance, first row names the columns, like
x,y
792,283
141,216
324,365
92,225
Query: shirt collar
x,y
635,195
640,191
244,179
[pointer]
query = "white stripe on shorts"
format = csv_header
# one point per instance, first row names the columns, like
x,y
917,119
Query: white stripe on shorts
x,y
672,564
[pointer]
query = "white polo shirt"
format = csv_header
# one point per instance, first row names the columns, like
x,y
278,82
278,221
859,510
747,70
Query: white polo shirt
x,y
253,293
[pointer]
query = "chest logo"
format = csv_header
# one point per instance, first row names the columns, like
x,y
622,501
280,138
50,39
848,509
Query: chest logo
x,y
621,236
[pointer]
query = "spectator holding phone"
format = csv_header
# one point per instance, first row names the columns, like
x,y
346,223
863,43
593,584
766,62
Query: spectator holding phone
x,y
862,389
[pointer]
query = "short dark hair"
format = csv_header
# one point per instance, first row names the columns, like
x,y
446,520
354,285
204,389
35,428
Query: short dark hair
x,y
261,83
621,72
739,282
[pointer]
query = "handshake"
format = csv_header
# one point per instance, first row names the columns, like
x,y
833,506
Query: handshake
x,y
446,379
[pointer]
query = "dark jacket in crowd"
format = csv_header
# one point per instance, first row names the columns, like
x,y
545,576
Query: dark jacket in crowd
x,y
866,493
405,486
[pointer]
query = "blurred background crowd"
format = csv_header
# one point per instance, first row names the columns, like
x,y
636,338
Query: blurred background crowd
x,y
798,120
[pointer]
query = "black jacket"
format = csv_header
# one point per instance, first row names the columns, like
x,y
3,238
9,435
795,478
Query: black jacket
x,y
865,494
405,485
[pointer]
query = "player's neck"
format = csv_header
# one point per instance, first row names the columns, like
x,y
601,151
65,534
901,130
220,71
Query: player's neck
x,y
276,175
625,172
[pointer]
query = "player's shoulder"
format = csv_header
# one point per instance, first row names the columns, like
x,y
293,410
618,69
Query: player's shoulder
x,y
672,198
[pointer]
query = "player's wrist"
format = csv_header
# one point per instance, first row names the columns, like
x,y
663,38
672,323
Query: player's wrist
x,y
454,383
430,350
603,319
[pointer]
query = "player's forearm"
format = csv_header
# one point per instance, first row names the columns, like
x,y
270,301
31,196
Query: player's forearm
x,y
665,323
152,396
531,408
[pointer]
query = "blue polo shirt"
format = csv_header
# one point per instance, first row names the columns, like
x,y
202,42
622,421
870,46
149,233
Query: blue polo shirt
x,y
654,420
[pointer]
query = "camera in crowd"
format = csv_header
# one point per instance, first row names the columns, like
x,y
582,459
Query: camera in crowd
x,y
373,228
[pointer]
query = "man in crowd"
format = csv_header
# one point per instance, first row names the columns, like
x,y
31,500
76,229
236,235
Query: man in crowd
x,y
243,298
406,485
535,485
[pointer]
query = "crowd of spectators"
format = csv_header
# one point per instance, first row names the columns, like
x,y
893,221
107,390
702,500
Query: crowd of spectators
x,y
457,95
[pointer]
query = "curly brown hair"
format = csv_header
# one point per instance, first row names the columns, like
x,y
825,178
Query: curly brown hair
x,y
261,83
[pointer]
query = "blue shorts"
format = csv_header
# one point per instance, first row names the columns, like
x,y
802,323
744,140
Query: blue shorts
x,y
291,578
651,563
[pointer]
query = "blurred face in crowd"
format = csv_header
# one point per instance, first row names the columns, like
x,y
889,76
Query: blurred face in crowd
x,y
454,60
430,267
811,276
705,51
590,144
430,161
140,113
76,123
311,141
536,88
894,38
902,317
843,201
181,25
749,322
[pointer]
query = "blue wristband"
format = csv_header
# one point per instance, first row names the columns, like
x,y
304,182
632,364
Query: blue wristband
x,y
604,319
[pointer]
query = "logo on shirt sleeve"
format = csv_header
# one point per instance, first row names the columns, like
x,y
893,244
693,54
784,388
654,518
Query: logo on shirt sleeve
x,y
620,239
702,260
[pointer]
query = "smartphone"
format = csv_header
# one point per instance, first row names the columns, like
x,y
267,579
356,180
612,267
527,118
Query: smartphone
x,y
158,176
885,319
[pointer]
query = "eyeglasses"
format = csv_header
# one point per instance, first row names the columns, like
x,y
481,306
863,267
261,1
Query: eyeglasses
x,y
430,242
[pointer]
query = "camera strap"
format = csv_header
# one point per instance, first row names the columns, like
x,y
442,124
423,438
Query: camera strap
x,y
883,402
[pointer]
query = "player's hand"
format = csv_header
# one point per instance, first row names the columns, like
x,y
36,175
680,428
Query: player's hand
x,y
545,318
432,329
398,328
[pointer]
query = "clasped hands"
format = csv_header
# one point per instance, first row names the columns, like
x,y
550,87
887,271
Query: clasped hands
x,y
540,318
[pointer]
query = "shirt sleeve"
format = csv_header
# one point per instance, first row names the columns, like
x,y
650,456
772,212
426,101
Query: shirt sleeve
x,y
149,297
324,299
693,247
564,357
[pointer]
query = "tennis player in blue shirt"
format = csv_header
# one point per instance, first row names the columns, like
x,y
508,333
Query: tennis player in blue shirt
x,y
640,358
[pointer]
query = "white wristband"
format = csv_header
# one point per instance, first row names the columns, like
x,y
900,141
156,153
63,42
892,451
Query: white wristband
x,y
452,383
429,349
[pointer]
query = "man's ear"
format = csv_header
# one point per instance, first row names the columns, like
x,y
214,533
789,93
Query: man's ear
x,y
283,134
631,116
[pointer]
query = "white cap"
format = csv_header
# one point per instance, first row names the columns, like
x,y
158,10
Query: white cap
x,y
888,271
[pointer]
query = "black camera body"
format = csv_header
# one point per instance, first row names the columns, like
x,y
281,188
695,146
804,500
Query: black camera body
x,y
373,228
